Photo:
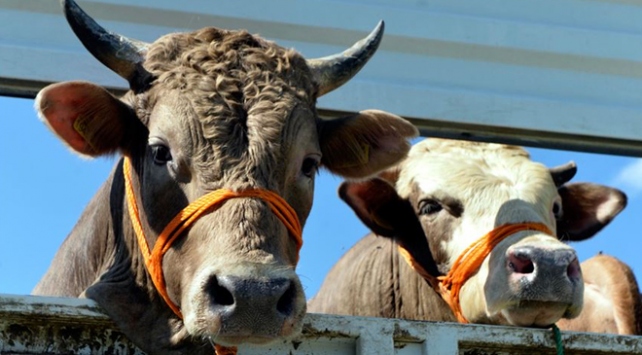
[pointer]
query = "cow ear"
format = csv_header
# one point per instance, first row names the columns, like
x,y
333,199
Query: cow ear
x,y
587,208
85,116
364,144
380,208
375,202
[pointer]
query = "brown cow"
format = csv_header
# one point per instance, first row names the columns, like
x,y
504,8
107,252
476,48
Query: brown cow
x,y
208,111
612,301
448,194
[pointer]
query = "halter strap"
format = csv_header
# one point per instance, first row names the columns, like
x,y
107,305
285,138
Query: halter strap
x,y
190,214
468,262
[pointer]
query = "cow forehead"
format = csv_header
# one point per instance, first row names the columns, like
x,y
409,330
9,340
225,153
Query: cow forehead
x,y
249,97
257,146
227,75
495,183
228,62
471,170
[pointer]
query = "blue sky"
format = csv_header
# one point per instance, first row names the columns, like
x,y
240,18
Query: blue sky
x,y
44,188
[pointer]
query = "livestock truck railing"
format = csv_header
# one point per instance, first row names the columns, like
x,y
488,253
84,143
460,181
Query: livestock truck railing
x,y
46,325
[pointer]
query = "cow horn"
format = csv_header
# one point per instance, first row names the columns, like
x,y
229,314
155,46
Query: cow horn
x,y
122,55
563,173
333,71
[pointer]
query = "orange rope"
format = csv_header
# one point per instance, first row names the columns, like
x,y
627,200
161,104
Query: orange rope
x,y
189,215
432,280
224,350
468,262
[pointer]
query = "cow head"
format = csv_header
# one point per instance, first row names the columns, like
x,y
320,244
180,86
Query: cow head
x,y
208,110
450,193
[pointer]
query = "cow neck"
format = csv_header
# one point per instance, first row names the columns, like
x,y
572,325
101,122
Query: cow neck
x,y
188,216
468,262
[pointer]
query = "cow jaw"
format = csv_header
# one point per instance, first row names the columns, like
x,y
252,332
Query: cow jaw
x,y
536,314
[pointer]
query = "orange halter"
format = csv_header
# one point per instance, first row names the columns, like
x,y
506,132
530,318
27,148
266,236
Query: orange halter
x,y
468,262
189,215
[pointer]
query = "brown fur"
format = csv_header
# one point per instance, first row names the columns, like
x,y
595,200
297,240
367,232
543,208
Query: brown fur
x,y
238,85
372,280
612,302
236,112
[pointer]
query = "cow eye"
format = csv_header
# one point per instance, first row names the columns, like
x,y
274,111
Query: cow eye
x,y
428,207
310,166
161,154
557,209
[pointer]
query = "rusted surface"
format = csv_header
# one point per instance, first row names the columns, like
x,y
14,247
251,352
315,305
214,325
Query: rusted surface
x,y
402,334
43,325
518,350
505,341
42,336
39,325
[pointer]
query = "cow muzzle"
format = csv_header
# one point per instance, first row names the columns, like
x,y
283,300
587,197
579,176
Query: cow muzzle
x,y
530,265
257,305
248,303
526,302
253,304
543,284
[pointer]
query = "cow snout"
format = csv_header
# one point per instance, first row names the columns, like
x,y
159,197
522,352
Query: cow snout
x,y
533,262
254,307
233,296
544,284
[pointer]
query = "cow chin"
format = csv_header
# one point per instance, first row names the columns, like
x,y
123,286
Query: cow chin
x,y
247,303
538,314
534,305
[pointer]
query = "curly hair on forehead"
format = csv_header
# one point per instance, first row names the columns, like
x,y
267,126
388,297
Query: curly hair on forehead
x,y
229,76
228,62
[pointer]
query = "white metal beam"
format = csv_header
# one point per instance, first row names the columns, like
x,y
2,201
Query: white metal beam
x,y
557,73
34,325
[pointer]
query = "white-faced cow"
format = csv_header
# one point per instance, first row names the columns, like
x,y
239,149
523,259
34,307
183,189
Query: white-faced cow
x,y
194,237
505,213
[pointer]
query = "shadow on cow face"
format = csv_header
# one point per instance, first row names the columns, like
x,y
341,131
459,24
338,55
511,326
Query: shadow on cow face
x,y
208,110
530,278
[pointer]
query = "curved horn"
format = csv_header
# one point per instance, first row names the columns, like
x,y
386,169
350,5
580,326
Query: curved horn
x,y
120,54
563,173
333,71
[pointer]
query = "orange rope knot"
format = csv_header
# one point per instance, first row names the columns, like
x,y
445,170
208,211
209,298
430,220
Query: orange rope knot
x,y
224,350
468,262
187,217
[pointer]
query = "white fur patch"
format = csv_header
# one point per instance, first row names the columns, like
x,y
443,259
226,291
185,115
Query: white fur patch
x,y
605,211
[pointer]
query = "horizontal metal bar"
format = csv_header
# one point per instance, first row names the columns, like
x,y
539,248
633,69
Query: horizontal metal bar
x,y
438,128
33,325
503,73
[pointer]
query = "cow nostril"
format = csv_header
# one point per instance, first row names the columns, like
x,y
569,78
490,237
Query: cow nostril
x,y
520,264
573,270
285,305
220,294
